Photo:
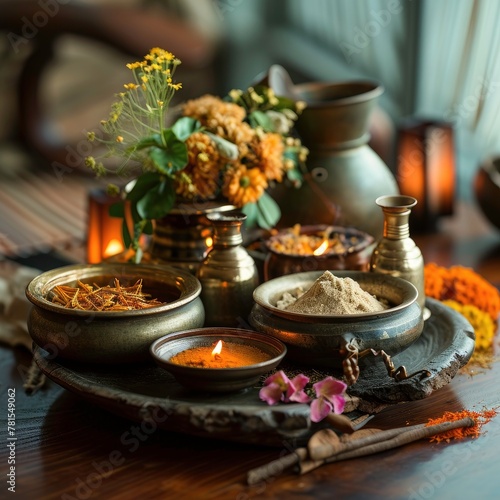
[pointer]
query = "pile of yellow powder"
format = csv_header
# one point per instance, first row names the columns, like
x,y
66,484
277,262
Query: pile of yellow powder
x,y
330,295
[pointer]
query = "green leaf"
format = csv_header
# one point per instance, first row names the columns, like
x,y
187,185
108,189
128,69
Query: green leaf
x,y
283,102
117,210
148,228
226,149
172,157
148,142
127,238
251,211
295,177
158,201
269,212
260,119
185,126
143,184
135,214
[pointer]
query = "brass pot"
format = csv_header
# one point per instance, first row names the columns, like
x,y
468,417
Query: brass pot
x,y
317,340
112,336
344,174
355,257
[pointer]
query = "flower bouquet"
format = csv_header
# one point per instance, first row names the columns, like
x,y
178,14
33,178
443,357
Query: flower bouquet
x,y
230,149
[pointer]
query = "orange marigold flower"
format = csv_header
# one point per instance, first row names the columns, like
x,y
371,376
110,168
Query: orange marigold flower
x,y
462,285
269,151
201,175
209,110
240,133
244,185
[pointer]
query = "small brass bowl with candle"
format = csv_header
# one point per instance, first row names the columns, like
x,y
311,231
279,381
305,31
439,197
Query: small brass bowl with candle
x,y
325,339
317,247
110,313
218,359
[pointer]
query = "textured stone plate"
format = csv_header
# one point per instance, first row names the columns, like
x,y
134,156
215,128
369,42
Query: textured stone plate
x,y
143,391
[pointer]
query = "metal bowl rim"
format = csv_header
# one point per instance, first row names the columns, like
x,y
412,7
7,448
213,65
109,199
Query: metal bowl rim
x,y
218,333
367,240
188,285
261,298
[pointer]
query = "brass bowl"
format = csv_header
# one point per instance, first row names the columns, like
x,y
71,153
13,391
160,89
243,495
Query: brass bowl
x,y
112,336
217,379
317,340
356,255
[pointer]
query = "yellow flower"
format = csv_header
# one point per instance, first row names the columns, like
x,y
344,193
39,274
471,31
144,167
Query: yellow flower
x,y
113,190
243,185
300,106
131,86
235,94
254,96
484,326
96,167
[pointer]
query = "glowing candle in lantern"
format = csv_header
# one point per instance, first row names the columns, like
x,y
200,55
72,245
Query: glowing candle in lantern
x,y
426,169
104,233
114,247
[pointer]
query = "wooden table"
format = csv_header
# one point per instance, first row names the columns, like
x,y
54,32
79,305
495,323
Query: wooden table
x,y
67,449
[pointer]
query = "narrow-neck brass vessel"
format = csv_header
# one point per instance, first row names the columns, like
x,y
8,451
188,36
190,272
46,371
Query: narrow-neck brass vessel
x,y
396,253
228,274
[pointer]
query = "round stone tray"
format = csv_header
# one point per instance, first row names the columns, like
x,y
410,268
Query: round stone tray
x,y
141,392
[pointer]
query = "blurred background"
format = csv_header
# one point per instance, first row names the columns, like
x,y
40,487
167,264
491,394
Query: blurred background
x,y
63,61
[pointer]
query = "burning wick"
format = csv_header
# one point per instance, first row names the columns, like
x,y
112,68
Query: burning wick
x,y
217,350
322,248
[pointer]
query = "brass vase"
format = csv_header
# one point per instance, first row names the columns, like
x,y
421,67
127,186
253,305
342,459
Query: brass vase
x,y
396,253
344,174
184,236
228,274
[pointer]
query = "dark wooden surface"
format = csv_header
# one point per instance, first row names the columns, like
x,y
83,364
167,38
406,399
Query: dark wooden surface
x,y
67,448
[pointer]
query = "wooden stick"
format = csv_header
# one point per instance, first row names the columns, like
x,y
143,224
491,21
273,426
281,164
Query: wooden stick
x,y
326,451
375,443
409,435
276,466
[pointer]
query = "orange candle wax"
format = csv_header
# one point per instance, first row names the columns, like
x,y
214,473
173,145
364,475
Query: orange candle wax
x,y
232,356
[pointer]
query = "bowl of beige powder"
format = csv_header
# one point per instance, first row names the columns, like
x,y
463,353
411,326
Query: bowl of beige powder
x,y
315,313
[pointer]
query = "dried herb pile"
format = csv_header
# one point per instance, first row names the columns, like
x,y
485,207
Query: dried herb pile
x,y
107,298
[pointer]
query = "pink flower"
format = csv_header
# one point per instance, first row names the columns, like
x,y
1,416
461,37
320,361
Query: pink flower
x,y
330,398
296,390
278,387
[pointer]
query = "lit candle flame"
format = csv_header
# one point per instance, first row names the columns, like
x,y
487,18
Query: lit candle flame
x,y
209,242
217,349
322,248
113,247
